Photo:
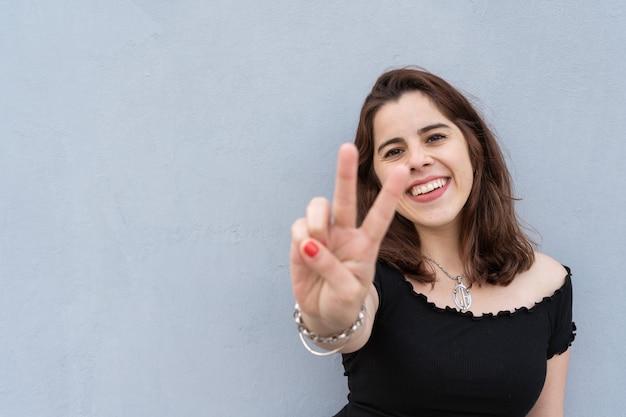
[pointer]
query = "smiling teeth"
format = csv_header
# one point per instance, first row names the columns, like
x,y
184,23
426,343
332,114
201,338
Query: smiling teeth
x,y
426,188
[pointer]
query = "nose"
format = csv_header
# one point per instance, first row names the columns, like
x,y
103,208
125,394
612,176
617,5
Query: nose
x,y
419,157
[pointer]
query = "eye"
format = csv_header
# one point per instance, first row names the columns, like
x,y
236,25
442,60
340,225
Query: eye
x,y
392,152
435,137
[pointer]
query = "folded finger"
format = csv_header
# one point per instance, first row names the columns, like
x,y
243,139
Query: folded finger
x,y
318,219
298,268
323,262
299,231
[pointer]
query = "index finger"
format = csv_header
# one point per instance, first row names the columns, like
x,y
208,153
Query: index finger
x,y
344,199
381,213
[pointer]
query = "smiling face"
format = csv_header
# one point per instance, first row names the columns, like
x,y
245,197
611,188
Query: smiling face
x,y
413,132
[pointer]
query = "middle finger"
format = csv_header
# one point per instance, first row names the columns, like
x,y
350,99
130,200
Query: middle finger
x,y
345,200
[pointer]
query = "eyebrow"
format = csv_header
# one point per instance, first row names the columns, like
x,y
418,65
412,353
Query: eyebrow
x,y
432,127
420,132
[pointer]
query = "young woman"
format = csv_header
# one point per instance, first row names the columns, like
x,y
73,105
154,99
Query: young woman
x,y
419,272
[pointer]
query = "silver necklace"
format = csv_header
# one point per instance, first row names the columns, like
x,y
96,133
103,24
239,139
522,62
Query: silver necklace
x,y
460,294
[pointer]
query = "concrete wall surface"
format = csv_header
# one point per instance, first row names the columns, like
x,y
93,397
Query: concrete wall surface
x,y
153,155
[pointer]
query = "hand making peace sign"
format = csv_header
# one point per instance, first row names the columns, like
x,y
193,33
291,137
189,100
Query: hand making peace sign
x,y
332,261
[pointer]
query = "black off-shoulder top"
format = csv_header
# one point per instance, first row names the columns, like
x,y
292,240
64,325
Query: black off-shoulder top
x,y
422,360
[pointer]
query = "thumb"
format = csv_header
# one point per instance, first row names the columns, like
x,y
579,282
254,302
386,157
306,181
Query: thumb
x,y
324,263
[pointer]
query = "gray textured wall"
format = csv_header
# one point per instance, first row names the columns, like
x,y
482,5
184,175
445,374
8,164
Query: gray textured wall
x,y
153,155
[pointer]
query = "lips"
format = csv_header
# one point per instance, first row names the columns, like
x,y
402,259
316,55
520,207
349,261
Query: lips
x,y
428,187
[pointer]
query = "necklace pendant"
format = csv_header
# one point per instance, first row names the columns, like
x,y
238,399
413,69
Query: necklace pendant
x,y
462,296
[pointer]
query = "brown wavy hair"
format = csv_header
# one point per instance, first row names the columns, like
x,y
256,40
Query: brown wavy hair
x,y
493,245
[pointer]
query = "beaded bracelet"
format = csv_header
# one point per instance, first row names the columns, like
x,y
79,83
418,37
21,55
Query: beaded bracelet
x,y
328,340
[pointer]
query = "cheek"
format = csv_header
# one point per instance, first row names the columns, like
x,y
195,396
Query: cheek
x,y
468,169
468,177
403,207
379,173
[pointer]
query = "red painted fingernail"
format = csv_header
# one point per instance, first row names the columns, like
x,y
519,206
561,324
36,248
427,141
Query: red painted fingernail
x,y
311,249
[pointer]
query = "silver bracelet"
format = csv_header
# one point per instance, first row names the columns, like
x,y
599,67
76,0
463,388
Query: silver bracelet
x,y
327,340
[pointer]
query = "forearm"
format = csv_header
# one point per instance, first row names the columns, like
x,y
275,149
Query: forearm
x,y
354,341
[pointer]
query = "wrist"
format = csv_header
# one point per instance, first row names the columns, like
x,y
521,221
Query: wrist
x,y
337,338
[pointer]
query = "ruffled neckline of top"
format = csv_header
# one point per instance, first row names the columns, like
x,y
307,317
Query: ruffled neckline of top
x,y
499,314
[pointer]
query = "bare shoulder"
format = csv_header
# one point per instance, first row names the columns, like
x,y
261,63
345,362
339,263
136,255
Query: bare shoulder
x,y
548,269
545,276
